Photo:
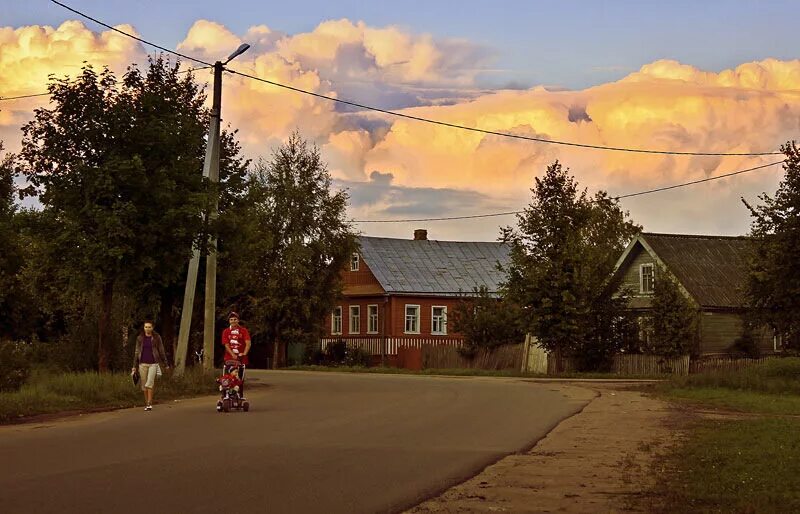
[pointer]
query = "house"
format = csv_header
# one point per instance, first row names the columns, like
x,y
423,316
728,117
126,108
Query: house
x,y
710,271
398,292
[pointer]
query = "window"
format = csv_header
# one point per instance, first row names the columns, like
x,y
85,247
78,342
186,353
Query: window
x,y
439,320
412,319
354,262
336,321
646,278
372,319
355,319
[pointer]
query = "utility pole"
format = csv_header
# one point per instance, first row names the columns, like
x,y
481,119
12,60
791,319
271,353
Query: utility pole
x,y
210,171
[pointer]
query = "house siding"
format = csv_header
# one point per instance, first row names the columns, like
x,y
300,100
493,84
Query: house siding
x,y
630,278
393,314
362,277
719,330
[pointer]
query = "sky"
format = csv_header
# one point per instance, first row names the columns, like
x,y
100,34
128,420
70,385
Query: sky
x,y
713,76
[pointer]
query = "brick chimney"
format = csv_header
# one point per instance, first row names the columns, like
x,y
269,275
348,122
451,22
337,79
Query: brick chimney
x,y
420,234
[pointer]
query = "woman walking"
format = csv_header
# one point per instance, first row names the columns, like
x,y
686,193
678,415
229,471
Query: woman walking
x,y
149,355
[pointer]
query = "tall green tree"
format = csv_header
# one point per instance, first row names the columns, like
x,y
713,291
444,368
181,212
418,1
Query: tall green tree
x,y
674,319
292,241
13,301
486,321
773,286
563,252
116,165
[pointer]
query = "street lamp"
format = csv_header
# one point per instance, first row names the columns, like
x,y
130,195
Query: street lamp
x,y
211,171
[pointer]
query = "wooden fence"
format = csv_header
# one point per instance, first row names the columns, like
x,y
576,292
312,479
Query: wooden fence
x,y
627,364
507,357
725,363
390,345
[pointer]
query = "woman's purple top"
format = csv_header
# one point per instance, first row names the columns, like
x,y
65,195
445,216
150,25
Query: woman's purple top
x,y
147,351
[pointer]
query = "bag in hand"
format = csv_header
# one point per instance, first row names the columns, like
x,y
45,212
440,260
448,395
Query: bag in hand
x,y
135,376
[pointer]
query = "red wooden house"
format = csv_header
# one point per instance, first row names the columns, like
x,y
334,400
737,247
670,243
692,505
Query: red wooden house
x,y
397,292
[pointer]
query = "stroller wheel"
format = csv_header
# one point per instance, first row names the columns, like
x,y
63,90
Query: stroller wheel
x,y
219,406
246,406
226,405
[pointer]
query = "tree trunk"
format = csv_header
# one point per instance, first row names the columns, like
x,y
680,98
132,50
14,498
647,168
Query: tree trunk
x,y
104,328
168,325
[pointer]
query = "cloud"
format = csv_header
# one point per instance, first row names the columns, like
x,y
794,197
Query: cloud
x,y
665,104
29,55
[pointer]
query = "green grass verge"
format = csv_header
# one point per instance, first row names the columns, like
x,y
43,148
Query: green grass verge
x,y
466,372
733,467
49,392
772,387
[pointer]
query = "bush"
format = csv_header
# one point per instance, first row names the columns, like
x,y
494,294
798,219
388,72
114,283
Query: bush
x,y
336,352
357,357
15,366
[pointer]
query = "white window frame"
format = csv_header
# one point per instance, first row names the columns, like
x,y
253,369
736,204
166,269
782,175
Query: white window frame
x,y
641,278
336,318
370,318
355,260
356,318
416,318
442,320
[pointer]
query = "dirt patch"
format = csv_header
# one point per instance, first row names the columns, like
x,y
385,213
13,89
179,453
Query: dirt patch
x,y
594,462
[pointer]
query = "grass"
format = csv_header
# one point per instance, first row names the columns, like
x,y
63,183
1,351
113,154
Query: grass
x,y
740,465
771,387
733,467
48,392
464,372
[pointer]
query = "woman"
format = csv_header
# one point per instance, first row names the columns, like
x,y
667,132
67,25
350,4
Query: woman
x,y
149,355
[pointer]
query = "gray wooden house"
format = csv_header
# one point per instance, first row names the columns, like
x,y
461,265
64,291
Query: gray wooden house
x,y
711,273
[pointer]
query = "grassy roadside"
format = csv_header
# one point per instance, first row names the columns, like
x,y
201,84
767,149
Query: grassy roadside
x,y
744,464
48,392
465,372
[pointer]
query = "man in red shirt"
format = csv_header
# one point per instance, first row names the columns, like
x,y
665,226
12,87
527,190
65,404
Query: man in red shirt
x,y
236,340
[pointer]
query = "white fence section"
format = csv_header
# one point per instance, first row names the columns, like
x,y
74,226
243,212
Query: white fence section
x,y
390,344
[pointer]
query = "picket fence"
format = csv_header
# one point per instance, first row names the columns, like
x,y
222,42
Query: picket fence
x,y
390,345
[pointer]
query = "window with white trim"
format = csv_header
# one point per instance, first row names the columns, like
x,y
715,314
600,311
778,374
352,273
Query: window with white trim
x,y
336,321
439,320
372,319
354,261
647,278
412,319
355,319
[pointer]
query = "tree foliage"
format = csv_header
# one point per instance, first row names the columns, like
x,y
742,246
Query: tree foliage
x,y
116,165
290,244
563,253
487,321
773,286
674,319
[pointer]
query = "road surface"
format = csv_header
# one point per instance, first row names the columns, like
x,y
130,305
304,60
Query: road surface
x,y
312,442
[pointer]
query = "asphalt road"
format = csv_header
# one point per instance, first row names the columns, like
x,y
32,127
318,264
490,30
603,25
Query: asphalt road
x,y
312,442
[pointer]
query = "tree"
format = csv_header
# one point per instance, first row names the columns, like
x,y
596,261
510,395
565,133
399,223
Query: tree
x,y
773,286
563,253
291,243
117,168
486,321
673,320
13,301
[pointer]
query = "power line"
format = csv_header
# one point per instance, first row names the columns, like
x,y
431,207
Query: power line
x,y
20,97
4,98
419,118
629,195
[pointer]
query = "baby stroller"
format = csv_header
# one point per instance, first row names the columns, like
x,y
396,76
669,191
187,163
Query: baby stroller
x,y
230,386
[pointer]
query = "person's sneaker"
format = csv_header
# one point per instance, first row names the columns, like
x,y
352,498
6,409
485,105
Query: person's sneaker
x,y
149,407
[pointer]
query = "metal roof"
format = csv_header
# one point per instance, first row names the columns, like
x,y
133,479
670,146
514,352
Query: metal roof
x,y
427,267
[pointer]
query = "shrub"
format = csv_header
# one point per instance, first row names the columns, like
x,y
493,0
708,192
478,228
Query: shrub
x,y
15,366
357,357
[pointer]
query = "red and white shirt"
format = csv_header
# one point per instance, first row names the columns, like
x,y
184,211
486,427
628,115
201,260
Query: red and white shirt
x,y
237,339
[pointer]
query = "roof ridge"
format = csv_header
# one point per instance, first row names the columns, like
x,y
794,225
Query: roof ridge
x,y
694,236
431,240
